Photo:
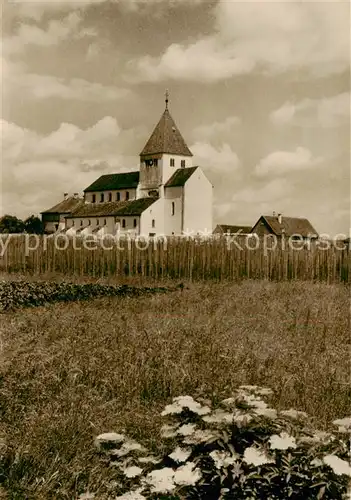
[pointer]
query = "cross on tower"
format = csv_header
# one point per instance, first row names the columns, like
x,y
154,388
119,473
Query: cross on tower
x,y
167,95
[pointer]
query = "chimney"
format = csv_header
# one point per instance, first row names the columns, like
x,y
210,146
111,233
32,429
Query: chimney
x,y
65,196
75,196
280,218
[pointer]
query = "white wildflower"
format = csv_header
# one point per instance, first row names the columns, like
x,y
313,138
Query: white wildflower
x,y
339,466
109,438
266,412
219,416
262,391
187,475
180,454
161,480
316,462
132,495
127,447
149,460
200,436
223,459
242,419
282,442
132,471
229,401
169,431
186,429
256,457
294,413
344,424
181,402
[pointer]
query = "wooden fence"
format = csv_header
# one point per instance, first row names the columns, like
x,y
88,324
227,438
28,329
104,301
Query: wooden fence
x,y
180,258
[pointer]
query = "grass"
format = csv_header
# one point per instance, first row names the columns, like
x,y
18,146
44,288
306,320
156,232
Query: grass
x,y
71,371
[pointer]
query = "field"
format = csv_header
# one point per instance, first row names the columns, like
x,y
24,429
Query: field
x,y
71,371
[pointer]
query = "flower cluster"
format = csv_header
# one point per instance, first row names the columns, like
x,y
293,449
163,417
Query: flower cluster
x,y
240,449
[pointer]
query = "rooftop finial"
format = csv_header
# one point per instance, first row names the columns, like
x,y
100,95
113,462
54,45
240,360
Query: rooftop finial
x,y
167,95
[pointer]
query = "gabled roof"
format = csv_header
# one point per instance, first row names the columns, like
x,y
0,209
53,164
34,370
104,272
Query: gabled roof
x,y
65,206
166,138
289,226
225,228
133,207
180,177
109,182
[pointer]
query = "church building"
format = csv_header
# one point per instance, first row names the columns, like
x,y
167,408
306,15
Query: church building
x,y
166,196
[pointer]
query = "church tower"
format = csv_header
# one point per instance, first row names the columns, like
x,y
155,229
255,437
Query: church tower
x,y
163,154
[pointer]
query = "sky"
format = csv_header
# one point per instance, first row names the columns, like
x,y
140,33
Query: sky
x,y
259,91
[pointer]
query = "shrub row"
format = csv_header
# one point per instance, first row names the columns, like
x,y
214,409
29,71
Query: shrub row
x,y
15,294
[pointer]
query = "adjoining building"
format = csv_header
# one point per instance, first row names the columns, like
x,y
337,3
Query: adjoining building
x,y
53,219
289,227
223,229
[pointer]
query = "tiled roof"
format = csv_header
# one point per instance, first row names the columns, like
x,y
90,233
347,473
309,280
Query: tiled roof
x,y
65,206
109,182
180,177
289,226
133,207
166,138
225,228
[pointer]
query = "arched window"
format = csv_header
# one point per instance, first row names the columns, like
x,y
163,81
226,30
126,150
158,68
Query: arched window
x,y
118,196
105,222
171,162
109,196
135,223
97,222
81,222
93,198
153,223
102,197
123,223
182,163
127,195
173,208
89,222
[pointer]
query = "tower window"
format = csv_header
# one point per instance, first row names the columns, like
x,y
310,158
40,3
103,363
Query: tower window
x,y
89,222
171,162
182,163
127,195
109,196
123,223
118,196
173,208
102,197
135,223
153,223
97,222
81,222
93,198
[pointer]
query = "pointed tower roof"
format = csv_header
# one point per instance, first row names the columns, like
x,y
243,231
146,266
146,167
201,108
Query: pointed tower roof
x,y
166,137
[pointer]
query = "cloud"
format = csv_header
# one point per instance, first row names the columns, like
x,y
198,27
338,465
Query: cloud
x,y
220,160
57,30
217,129
274,190
37,169
284,162
328,112
16,80
267,37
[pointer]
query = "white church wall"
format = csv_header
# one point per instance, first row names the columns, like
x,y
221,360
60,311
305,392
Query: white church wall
x,y
167,170
173,210
154,213
198,203
122,193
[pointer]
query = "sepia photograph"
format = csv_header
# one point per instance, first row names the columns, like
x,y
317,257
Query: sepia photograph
x,y
175,250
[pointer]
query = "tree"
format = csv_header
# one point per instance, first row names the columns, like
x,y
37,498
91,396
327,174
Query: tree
x,y
11,224
33,225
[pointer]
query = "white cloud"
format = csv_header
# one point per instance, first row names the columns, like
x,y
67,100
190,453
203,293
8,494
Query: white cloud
x,y
16,80
328,112
270,37
274,190
217,129
56,31
219,160
37,169
283,162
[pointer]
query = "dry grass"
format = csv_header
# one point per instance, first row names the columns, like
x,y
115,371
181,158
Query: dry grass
x,y
72,371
